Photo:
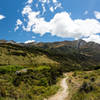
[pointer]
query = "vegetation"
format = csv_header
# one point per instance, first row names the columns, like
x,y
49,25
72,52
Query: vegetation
x,y
32,83
31,71
86,85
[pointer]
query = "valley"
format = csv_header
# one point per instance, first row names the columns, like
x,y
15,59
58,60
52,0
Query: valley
x,y
32,71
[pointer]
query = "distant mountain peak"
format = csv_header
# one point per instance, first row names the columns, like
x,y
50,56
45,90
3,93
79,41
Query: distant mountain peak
x,y
80,43
3,41
11,41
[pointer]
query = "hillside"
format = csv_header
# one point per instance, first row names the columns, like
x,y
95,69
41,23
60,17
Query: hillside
x,y
86,85
66,53
16,54
31,71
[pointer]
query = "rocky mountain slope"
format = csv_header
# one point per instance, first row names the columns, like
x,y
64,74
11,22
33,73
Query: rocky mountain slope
x,y
30,71
76,53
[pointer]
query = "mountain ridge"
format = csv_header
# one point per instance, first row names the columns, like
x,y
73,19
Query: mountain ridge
x,y
31,71
76,53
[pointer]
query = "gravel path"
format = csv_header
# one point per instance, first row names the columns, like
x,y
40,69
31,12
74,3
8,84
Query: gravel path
x,y
62,93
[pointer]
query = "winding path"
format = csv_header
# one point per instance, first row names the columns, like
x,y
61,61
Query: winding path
x,y
62,93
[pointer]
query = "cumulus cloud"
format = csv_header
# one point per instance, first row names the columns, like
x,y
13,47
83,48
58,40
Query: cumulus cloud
x,y
94,38
54,1
58,5
27,9
2,17
29,41
18,23
64,26
51,9
44,9
44,1
97,14
29,1
61,25
52,4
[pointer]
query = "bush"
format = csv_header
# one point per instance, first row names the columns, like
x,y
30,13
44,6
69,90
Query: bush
x,y
92,79
86,87
10,69
2,92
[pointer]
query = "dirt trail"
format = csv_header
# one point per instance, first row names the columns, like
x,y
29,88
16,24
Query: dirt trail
x,y
63,92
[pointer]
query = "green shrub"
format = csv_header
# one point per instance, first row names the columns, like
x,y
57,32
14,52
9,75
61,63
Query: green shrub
x,y
10,69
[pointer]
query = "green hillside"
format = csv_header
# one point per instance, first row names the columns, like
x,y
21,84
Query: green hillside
x,y
16,54
86,85
31,71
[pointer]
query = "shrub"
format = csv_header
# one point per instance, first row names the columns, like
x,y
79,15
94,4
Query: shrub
x,y
92,79
86,87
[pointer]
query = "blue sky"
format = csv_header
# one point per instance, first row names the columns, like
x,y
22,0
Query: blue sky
x,y
59,20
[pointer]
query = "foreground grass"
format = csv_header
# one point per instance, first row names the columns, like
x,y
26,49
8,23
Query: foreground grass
x,y
84,85
33,96
27,83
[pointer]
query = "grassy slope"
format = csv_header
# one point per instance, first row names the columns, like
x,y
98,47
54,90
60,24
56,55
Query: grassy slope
x,y
86,85
15,54
26,73
37,70
11,54
27,83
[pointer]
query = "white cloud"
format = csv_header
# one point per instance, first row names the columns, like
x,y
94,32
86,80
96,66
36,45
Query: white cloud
x,y
2,17
37,5
61,24
29,1
44,1
29,41
64,26
51,9
18,23
56,4
97,14
32,21
94,38
54,1
87,27
16,28
26,10
44,9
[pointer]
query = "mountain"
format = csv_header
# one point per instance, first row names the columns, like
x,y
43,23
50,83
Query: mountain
x,y
84,52
76,54
18,54
3,41
31,71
